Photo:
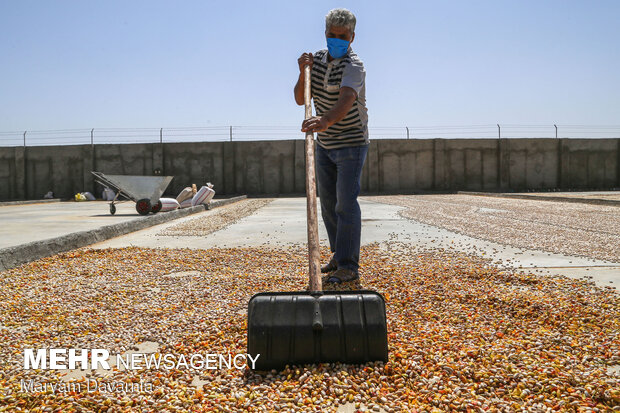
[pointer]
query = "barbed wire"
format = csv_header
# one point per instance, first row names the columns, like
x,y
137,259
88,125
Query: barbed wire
x,y
290,132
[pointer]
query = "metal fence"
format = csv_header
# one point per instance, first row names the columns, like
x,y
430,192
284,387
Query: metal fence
x,y
257,133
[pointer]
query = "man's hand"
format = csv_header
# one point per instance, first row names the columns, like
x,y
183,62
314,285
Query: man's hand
x,y
340,109
305,60
315,124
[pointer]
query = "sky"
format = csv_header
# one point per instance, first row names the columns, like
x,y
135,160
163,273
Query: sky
x,y
70,64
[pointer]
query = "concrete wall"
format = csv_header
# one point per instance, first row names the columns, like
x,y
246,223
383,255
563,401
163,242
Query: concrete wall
x,y
277,167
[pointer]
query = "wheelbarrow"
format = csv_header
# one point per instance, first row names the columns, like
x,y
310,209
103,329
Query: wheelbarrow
x,y
145,191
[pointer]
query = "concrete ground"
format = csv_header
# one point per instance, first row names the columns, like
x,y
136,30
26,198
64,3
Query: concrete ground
x,y
283,222
610,195
36,222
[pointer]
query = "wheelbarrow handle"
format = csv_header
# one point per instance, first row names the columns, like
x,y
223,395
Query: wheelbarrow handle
x,y
311,208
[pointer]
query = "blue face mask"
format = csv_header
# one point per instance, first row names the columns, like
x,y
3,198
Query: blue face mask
x,y
337,47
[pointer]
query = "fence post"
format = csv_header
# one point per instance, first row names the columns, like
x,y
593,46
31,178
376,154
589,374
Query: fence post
x,y
231,133
25,138
93,159
161,148
556,130
88,165
499,132
406,127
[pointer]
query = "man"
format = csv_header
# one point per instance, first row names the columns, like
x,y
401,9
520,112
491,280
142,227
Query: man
x,y
341,121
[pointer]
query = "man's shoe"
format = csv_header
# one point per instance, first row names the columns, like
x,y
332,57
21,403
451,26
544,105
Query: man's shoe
x,y
332,266
343,275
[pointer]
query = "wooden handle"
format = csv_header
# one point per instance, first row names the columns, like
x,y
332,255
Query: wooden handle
x,y
314,269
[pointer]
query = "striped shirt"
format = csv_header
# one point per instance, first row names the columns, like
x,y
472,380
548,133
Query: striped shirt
x,y
327,79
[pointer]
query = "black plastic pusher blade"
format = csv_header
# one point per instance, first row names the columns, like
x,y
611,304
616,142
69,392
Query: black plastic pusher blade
x,y
324,327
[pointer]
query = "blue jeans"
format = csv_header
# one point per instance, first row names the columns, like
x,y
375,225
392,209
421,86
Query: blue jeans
x,y
339,173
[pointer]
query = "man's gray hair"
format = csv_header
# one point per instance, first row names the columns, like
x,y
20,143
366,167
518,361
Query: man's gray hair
x,y
340,18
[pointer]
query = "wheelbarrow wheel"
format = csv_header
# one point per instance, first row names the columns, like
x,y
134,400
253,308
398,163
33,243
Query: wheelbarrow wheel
x,y
156,208
112,209
143,206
